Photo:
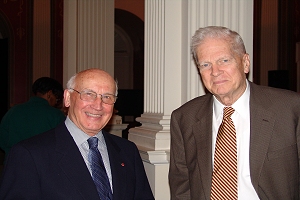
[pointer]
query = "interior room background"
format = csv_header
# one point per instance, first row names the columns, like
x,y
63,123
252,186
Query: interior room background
x,y
31,46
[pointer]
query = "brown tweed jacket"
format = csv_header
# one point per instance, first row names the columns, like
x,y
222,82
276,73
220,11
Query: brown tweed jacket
x,y
274,145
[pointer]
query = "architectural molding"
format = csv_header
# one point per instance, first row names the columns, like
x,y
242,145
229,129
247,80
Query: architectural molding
x,y
171,77
88,36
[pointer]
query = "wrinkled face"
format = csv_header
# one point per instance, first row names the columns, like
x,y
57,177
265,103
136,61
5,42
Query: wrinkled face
x,y
90,117
223,72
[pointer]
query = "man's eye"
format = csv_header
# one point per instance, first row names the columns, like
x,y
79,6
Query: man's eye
x,y
106,97
89,94
204,65
224,61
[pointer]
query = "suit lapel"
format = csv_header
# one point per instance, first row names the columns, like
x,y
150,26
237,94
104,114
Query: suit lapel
x,y
117,165
261,128
73,165
202,131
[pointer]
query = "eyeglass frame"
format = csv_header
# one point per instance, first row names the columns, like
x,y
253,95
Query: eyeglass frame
x,y
101,95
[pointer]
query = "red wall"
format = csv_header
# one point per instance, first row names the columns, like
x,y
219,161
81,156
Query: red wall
x,y
17,18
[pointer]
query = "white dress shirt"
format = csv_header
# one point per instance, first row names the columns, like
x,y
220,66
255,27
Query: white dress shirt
x,y
81,138
241,120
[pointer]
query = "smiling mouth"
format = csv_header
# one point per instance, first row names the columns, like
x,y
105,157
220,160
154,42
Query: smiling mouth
x,y
93,115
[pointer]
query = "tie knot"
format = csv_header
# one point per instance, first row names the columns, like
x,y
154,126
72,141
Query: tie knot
x,y
93,142
228,111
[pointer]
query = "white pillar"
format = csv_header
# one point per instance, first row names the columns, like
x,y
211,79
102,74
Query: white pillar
x,y
171,78
88,36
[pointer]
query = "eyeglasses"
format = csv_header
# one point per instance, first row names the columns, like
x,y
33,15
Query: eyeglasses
x,y
221,62
91,96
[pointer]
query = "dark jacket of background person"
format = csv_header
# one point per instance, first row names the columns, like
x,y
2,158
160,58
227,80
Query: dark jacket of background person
x,y
26,120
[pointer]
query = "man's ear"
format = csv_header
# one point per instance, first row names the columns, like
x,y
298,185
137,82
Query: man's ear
x,y
48,94
67,97
246,63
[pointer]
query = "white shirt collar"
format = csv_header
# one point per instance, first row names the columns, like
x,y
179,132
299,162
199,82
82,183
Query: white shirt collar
x,y
78,135
239,106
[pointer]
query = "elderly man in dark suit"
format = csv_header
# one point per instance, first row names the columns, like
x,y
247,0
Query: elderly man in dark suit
x,y
60,163
266,125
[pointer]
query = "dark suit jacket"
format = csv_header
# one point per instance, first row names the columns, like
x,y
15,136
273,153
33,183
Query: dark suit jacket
x,y
50,166
274,145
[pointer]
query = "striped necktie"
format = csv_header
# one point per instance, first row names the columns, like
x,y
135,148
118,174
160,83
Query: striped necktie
x,y
99,175
224,178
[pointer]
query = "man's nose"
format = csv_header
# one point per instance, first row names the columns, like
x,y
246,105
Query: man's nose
x,y
215,71
97,104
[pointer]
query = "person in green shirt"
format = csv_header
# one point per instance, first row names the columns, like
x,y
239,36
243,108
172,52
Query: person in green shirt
x,y
35,116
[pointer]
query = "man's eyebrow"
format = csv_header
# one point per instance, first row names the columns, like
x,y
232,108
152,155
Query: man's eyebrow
x,y
86,89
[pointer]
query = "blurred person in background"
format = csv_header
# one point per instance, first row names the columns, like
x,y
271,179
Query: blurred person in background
x,y
37,115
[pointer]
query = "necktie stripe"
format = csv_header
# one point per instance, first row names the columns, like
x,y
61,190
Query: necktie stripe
x,y
224,179
99,175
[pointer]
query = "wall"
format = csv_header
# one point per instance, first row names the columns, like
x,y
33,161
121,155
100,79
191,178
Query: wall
x,y
17,27
136,7
24,29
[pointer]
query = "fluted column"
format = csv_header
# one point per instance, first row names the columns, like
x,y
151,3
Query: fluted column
x,y
88,36
171,78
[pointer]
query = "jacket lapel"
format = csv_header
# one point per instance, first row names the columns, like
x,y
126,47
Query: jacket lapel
x,y
117,165
73,165
202,131
261,128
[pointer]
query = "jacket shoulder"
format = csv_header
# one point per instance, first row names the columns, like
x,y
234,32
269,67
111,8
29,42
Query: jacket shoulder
x,y
196,103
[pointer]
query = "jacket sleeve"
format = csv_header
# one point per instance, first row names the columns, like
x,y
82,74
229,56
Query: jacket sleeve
x,y
20,178
178,172
143,190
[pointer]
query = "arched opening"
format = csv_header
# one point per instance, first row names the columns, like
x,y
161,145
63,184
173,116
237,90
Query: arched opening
x,y
5,55
129,66
123,68
5,45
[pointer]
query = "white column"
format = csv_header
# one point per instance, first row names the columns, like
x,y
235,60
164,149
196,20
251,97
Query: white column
x,y
171,78
88,36
162,90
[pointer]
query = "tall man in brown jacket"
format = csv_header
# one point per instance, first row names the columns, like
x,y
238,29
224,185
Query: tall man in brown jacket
x,y
267,123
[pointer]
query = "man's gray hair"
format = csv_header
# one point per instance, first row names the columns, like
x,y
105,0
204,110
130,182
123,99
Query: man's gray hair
x,y
71,84
219,32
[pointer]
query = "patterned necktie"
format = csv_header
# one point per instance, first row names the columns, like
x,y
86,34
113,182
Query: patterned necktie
x,y
98,170
224,178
